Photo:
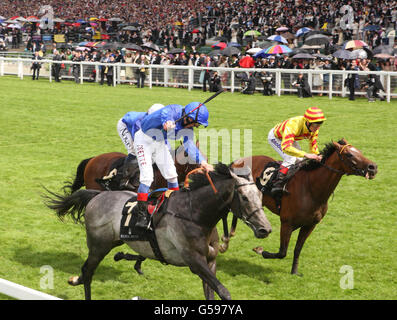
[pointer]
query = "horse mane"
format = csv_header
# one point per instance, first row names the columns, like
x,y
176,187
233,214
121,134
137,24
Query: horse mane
x,y
199,180
328,150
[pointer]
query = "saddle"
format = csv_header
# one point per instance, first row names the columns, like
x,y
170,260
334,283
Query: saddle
x,y
157,204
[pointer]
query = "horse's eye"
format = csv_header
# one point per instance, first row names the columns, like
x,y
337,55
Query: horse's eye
x,y
244,198
349,155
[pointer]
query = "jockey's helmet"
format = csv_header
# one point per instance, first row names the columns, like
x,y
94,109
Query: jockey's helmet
x,y
199,115
314,114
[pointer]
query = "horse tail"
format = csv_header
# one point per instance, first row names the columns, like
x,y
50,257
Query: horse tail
x,y
73,204
78,181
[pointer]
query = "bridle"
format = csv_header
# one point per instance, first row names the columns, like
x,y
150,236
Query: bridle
x,y
349,164
224,203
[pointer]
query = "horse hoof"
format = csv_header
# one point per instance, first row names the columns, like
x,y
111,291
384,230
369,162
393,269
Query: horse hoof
x,y
74,281
223,248
258,250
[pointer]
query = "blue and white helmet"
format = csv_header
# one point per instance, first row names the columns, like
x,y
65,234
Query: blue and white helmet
x,y
199,115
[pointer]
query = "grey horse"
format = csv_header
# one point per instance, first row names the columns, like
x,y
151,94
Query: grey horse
x,y
186,232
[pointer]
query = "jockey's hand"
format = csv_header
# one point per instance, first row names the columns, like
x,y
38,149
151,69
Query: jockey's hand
x,y
206,166
169,125
313,156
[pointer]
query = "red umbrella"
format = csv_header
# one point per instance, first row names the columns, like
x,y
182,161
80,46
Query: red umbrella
x,y
196,31
102,19
219,45
247,62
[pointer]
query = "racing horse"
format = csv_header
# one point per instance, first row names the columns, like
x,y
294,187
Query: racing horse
x,y
91,170
309,190
185,230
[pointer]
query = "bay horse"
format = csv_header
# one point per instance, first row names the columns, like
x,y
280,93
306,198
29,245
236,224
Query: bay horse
x,y
90,170
309,190
185,229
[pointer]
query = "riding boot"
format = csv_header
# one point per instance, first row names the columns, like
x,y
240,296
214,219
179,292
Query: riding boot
x,y
142,215
279,185
128,163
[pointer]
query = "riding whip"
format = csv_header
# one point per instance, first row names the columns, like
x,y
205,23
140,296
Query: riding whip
x,y
208,100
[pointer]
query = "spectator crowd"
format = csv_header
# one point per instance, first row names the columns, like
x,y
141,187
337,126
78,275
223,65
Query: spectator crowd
x,y
161,26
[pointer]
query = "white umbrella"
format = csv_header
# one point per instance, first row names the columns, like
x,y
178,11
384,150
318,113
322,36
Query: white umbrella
x,y
254,50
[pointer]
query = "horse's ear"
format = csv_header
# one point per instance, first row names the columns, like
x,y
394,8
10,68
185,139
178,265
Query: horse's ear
x,y
238,164
345,141
337,145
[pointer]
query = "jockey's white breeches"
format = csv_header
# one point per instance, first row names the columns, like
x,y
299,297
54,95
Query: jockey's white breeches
x,y
149,151
125,136
276,145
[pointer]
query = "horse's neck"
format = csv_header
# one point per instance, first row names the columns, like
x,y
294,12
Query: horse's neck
x,y
324,181
213,206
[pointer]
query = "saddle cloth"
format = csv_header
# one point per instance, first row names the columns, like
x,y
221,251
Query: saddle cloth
x,y
156,200
268,177
128,232
112,180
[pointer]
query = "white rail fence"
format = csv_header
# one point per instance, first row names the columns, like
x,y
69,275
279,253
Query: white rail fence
x,y
19,292
324,82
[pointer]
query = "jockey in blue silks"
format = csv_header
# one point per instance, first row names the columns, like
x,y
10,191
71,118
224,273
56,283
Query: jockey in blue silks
x,y
127,126
150,144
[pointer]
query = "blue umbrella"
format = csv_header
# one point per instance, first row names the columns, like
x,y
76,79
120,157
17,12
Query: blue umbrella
x,y
233,44
277,38
371,28
261,54
302,31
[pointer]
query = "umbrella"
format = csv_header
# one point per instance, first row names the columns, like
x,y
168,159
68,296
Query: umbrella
x,y
303,56
252,33
355,44
371,28
214,53
151,46
288,35
230,51
391,33
132,46
115,19
219,45
254,50
265,44
343,54
196,31
233,44
175,51
278,48
322,56
277,38
383,49
359,54
130,28
383,56
261,54
247,62
302,31
281,29
317,39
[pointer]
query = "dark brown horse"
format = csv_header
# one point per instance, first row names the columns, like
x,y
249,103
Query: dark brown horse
x,y
309,190
90,170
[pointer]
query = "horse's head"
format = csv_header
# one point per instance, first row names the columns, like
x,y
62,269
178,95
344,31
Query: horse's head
x,y
354,161
247,202
132,172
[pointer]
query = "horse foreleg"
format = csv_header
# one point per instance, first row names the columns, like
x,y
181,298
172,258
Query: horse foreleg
x,y
198,265
304,233
131,257
285,236
225,238
233,227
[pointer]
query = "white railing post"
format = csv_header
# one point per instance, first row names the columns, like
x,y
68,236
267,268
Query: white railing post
x,y
388,87
278,83
150,77
50,67
190,78
1,66
81,72
232,81
330,79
